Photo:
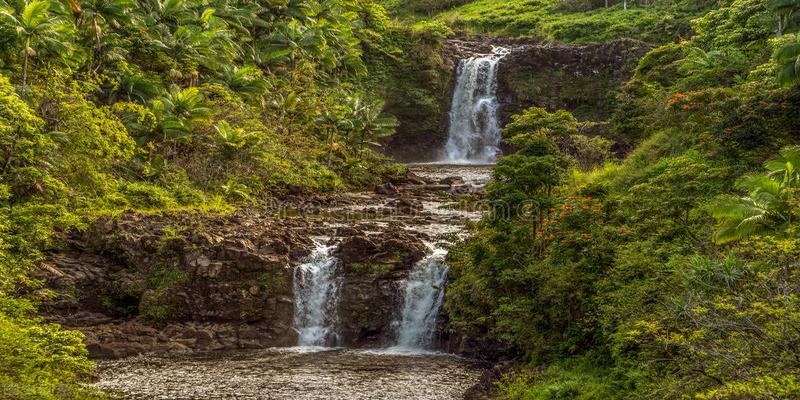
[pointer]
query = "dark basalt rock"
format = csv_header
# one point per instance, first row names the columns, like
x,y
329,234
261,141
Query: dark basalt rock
x,y
140,283
374,269
394,248
386,189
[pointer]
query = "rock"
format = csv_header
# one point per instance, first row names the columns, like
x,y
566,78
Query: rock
x,y
159,276
410,178
460,190
386,189
356,249
374,268
437,187
406,205
345,231
452,180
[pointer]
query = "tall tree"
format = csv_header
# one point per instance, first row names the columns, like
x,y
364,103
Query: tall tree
x,y
38,31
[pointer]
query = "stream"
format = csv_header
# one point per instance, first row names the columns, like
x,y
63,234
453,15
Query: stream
x,y
410,368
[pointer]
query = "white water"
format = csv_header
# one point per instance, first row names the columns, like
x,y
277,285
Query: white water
x,y
423,299
315,299
474,132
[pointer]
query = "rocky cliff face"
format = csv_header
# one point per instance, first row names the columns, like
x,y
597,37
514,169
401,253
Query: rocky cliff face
x,y
179,282
579,78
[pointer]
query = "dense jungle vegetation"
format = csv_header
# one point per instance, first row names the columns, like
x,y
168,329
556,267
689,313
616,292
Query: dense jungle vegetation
x,y
671,273
107,105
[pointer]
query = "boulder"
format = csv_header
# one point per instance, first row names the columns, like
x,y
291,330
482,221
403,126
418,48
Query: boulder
x,y
386,189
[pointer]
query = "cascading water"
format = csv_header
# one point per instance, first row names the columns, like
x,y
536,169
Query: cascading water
x,y
423,299
316,298
474,132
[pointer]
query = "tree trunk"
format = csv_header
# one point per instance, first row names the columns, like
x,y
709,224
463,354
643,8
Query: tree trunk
x,y
25,72
96,31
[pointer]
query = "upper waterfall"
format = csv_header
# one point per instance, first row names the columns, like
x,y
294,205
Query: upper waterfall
x,y
474,132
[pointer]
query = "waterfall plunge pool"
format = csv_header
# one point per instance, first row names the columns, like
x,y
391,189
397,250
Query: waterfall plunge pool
x,y
291,373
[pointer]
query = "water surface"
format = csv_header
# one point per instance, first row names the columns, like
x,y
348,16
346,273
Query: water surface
x,y
291,374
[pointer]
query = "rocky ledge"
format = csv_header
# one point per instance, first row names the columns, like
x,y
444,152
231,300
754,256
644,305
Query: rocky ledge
x,y
140,283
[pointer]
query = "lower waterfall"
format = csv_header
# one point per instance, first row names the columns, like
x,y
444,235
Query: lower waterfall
x,y
315,298
423,299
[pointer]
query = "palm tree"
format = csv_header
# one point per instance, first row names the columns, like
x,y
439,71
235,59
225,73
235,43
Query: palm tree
x,y
104,12
177,110
246,80
37,32
786,12
771,204
368,124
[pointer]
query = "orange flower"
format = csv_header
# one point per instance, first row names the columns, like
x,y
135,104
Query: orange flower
x,y
679,95
586,207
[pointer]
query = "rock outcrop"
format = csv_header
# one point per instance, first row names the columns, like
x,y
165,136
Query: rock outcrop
x,y
375,267
177,282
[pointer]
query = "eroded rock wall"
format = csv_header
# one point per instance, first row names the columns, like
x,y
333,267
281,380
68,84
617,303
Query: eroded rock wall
x,y
178,282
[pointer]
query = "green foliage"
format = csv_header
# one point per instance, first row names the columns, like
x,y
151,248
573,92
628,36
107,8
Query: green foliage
x,y
574,378
107,105
772,203
558,21
624,287
39,361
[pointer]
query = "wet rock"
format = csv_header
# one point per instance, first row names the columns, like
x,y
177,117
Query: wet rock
x,y
410,178
460,190
393,250
386,189
374,268
452,180
406,205
346,231
356,249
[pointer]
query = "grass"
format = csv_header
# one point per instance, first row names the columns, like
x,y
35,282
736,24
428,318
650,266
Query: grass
x,y
555,21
